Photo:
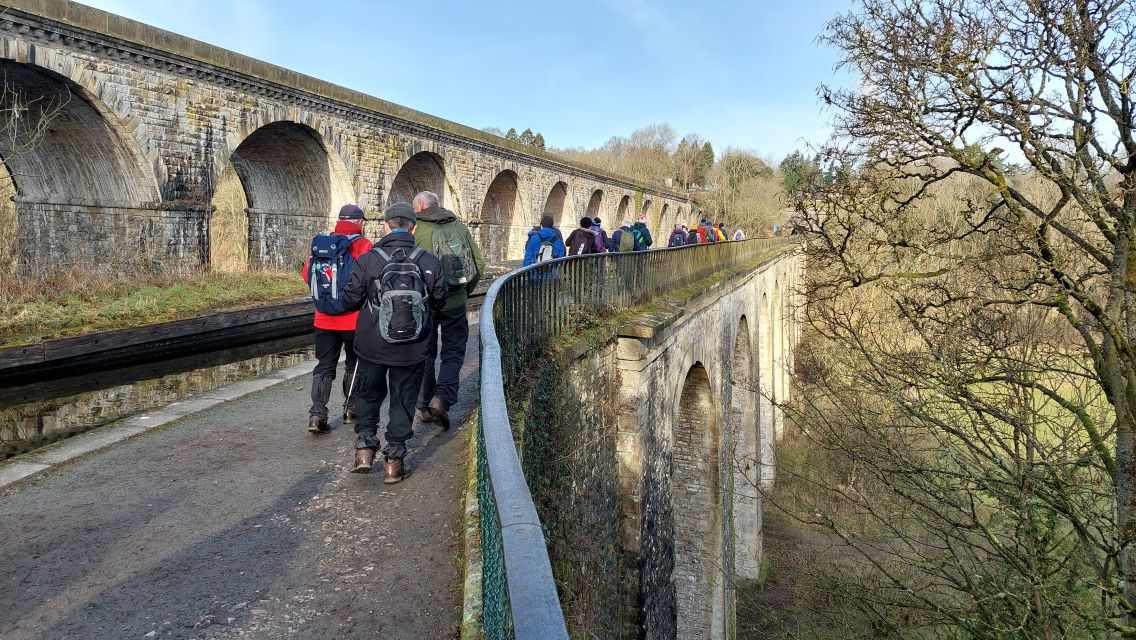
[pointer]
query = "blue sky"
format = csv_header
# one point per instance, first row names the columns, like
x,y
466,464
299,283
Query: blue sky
x,y
740,73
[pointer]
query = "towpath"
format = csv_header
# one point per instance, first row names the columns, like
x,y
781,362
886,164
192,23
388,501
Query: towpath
x,y
236,523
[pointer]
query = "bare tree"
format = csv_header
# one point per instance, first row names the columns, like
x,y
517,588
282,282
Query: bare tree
x,y
25,121
980,369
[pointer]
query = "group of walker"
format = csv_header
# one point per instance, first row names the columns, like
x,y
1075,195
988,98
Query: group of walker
x,y
390,303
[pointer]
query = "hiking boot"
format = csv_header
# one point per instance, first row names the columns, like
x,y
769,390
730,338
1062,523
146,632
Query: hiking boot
x,y
318,424
349,415
424,416
394,471
364,460
441,416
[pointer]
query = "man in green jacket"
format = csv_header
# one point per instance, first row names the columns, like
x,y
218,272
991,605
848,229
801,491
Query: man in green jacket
x,y
441,233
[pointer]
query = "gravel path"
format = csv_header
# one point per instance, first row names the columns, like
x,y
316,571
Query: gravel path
x,y
236,523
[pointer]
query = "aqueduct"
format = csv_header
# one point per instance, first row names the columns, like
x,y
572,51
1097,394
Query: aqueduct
x,y
140,147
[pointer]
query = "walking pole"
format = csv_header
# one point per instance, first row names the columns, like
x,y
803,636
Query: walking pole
x,y
351,388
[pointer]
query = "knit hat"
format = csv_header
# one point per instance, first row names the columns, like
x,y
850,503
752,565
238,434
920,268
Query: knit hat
x,y
400,210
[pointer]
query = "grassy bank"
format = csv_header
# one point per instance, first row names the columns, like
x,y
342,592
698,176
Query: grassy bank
x,y
72,304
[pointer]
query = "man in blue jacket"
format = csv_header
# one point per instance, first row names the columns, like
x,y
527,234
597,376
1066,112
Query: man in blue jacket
x,y
544,243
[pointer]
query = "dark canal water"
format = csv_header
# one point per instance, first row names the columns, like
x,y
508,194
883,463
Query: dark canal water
x,y
37,414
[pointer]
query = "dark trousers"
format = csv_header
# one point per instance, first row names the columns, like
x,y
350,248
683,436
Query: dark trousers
x,y
452,328
375,382
328,343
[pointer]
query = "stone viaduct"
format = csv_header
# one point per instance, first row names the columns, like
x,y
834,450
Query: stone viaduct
x,y
667,422
135,145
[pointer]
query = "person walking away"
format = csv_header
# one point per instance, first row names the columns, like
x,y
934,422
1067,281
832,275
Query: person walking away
x,y
544,243
692,236
739,234
398,287
678,237
708,231
601,236
582,241
642,235
623,240
721,231
326,273
440,232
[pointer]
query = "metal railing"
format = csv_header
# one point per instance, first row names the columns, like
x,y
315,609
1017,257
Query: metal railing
x,y
526,308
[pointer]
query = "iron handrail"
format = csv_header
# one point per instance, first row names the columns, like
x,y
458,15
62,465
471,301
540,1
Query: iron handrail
x,y
536,303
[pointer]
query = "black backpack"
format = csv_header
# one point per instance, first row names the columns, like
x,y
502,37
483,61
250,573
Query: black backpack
x,y
398,303
581,242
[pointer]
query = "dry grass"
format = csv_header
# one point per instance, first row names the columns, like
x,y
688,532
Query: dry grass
x,y
74,302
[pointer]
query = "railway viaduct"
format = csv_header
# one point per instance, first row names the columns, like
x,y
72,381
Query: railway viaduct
x,y
136,146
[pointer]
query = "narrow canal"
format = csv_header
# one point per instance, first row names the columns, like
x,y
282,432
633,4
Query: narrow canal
x,y
40,413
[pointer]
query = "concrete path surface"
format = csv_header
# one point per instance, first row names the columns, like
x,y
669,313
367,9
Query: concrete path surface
x,y
237,523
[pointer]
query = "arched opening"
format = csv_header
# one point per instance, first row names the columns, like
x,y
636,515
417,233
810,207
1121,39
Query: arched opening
x,y
744,459
292,188
697,500
557,204
680,216
69,170
645,210
228,225
424,171
502,229
622,212
666,224
595,203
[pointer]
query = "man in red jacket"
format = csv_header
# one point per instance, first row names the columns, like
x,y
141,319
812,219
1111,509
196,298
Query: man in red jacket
x,y
334,332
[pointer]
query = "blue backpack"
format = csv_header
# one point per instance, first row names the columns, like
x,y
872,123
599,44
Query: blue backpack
x,y
330,269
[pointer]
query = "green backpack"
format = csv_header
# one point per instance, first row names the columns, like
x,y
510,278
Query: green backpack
x,y
455,253
626,241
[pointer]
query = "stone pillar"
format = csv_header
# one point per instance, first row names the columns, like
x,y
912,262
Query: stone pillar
x,y
630,360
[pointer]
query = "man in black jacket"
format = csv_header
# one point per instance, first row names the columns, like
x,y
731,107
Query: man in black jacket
x,y
386,366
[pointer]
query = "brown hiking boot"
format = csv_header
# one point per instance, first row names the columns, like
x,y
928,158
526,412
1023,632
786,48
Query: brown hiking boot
x,y
394,471
318,424
364,460
424,416
441,416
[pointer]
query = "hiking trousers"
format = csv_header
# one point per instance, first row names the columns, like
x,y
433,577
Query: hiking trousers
x,y
452,329
328,344
376,381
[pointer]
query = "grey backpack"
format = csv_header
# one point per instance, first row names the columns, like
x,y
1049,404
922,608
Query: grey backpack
x,y
398,302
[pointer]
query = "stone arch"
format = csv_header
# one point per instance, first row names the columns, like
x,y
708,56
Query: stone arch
x,y
291,188
744,459
558,204
697,508
666,225
679,215
66,152
645,210
424,171
502,219
595,204
621,212
339,156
